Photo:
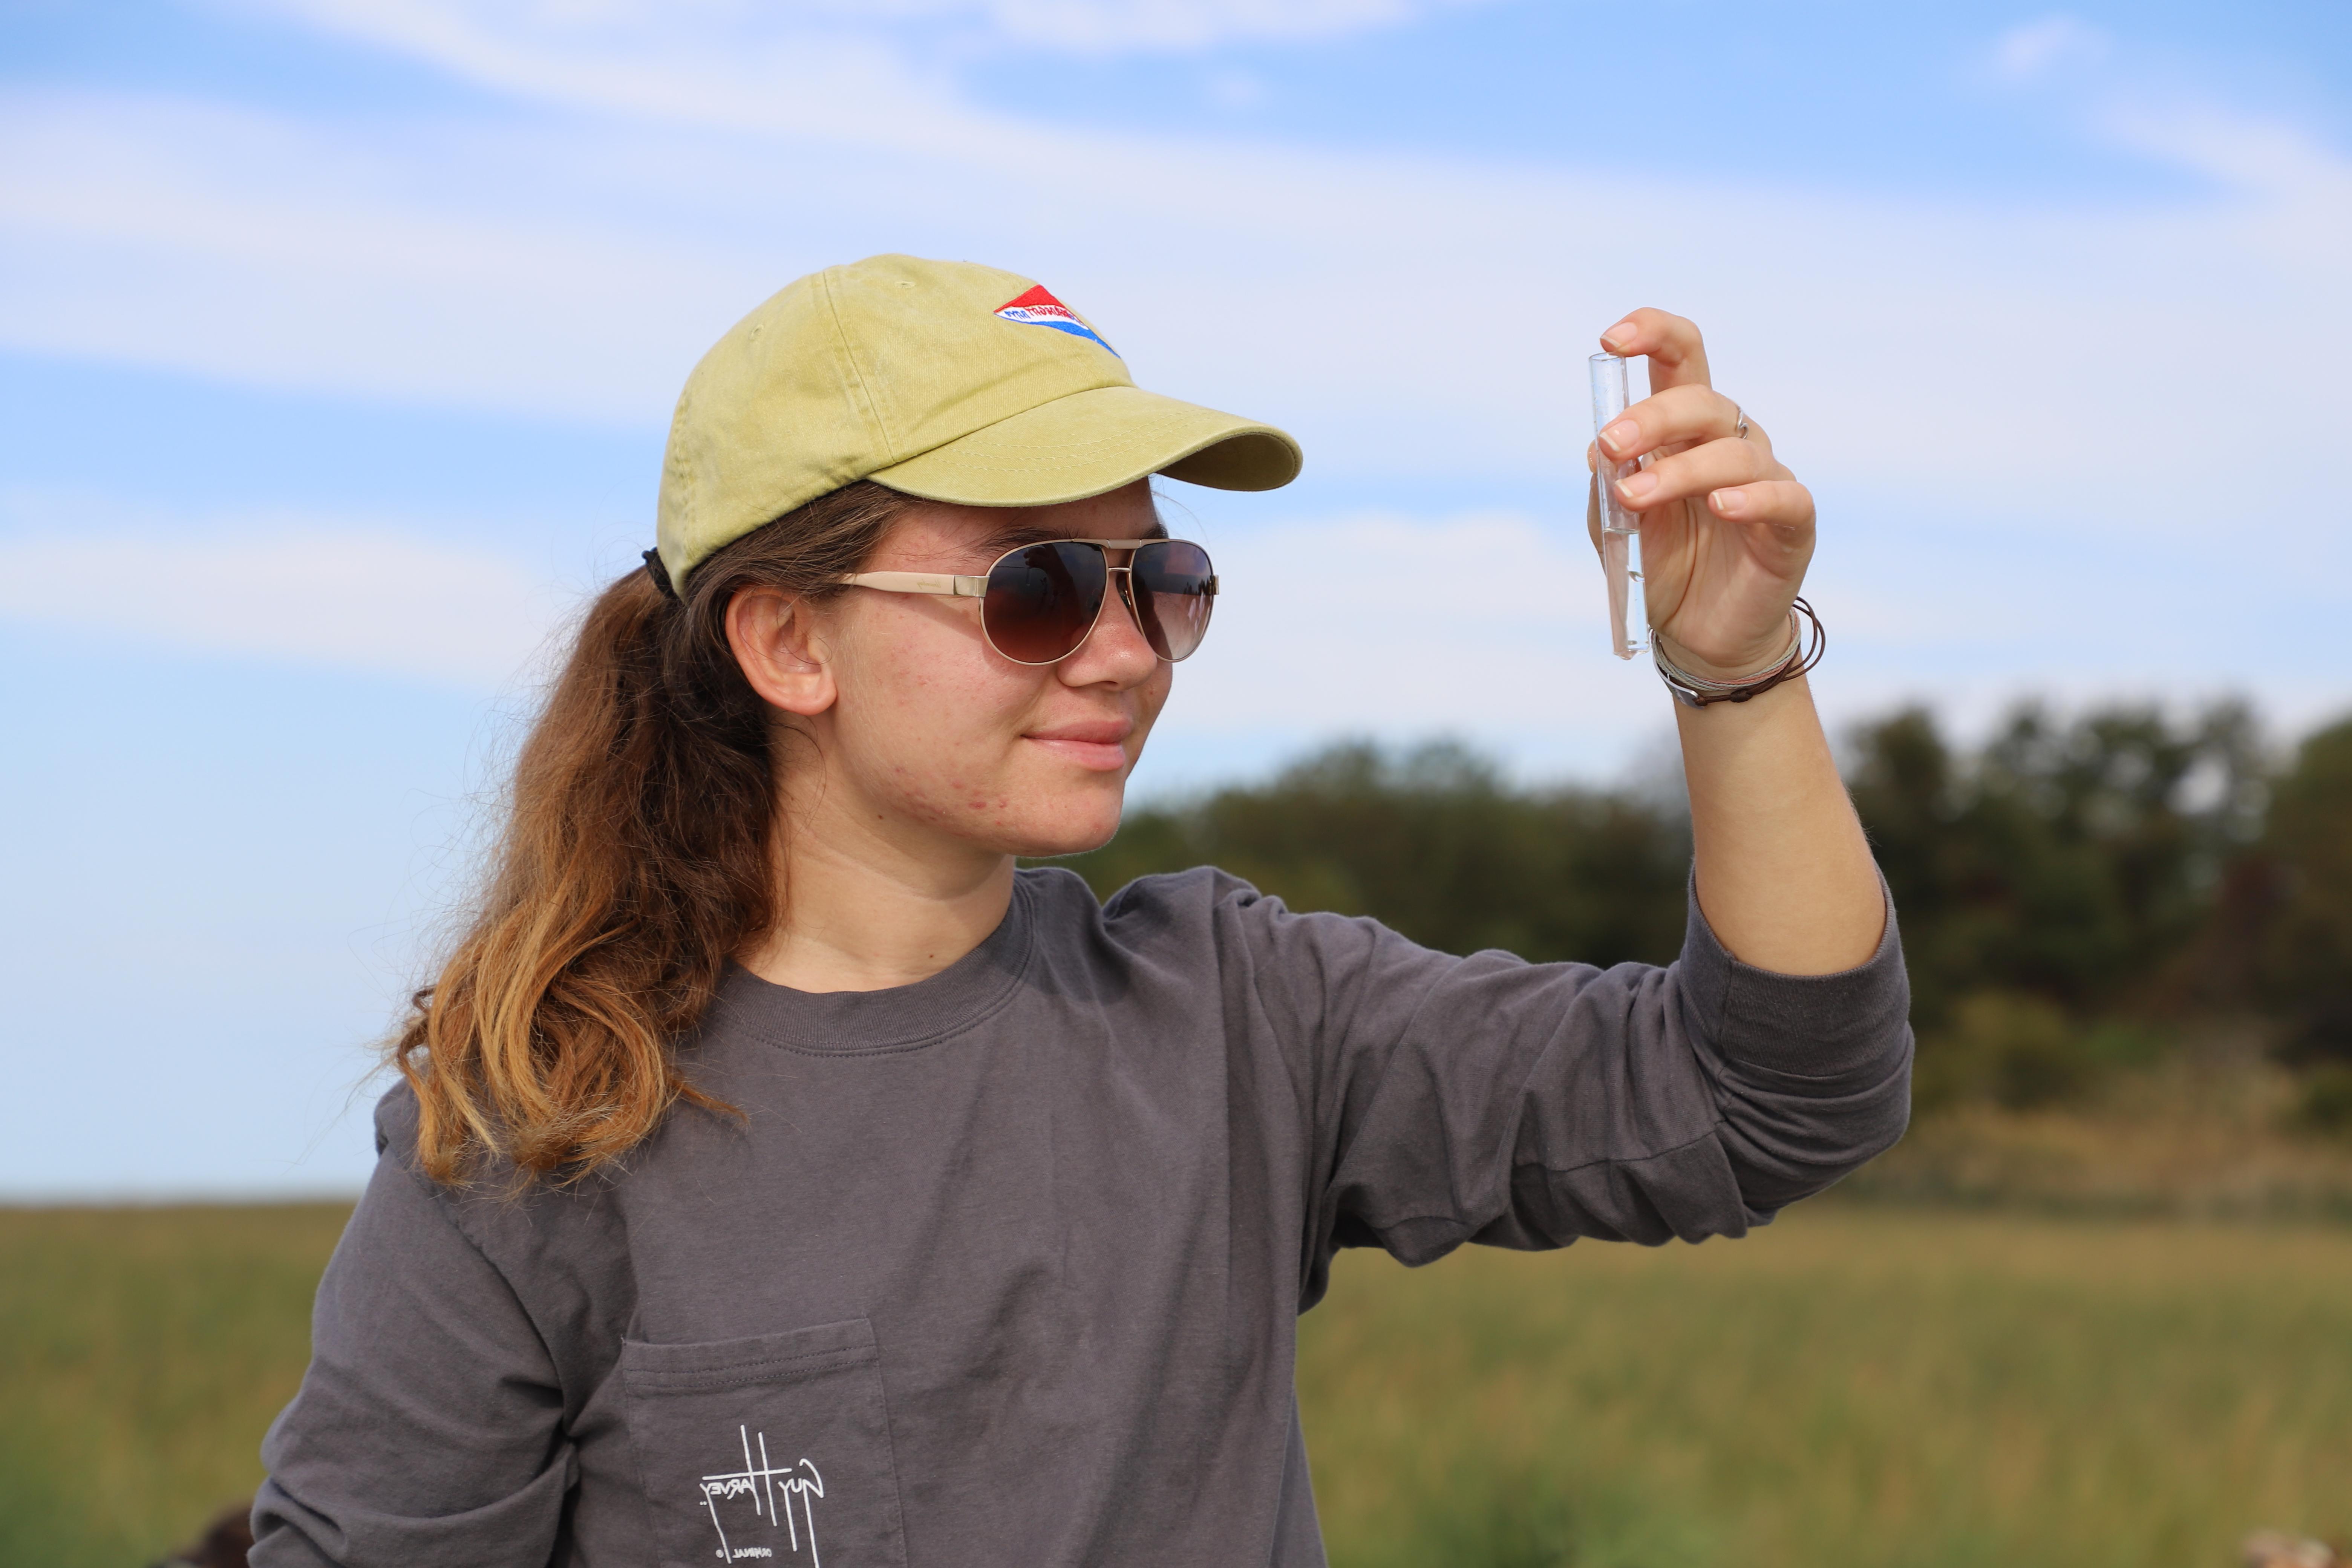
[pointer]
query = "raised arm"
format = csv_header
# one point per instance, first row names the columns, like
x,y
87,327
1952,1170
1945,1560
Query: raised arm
x,y
1785,876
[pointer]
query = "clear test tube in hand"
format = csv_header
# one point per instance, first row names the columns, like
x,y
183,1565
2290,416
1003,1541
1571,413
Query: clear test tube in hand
x,y
1621,530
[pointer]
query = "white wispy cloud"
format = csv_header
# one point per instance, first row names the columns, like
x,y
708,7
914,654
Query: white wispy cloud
x,y
727,65
1491,624
2031,51
225,242
872,73
1483,623
1384,622
451,30
332,591
1934,362
1408,315
1135,26
2290,193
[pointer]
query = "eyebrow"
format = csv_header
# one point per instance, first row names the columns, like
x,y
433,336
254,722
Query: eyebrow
x,y
1016,535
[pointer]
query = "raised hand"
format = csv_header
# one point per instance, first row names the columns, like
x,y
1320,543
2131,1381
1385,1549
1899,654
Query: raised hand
x,y
1726,530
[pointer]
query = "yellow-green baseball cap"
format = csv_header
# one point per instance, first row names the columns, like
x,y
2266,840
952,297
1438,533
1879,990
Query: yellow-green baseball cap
x,y
943,378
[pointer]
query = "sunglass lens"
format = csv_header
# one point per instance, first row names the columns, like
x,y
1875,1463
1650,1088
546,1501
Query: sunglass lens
x,y
1172,600
1042,601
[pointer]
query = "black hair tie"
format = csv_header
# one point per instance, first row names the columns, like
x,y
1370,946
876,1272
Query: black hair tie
x,y
660,574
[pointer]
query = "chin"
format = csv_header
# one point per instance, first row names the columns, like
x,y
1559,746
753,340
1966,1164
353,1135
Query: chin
x,y
1085,825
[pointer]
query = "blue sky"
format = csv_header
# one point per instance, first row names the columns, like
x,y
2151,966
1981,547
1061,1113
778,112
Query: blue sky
x,y
337,339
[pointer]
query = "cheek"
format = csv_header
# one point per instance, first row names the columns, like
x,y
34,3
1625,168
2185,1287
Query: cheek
x,y
1152,695
927,716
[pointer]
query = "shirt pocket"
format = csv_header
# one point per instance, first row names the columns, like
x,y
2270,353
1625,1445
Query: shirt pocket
x,y
770,1450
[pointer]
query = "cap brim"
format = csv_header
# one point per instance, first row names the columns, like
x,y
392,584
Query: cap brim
x,y
1092,442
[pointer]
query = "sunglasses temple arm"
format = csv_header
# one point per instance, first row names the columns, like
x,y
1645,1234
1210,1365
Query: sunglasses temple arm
x,y
937,582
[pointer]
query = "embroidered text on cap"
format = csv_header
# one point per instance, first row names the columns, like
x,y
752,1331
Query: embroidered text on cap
x,y
1039,309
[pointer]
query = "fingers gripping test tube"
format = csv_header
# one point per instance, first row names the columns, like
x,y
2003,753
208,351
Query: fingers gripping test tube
x,y
1621,530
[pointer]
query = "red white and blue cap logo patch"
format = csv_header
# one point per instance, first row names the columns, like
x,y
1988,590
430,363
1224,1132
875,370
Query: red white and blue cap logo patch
x,y
1039,309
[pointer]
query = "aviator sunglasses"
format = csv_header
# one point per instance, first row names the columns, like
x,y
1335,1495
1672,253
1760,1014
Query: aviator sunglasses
x,y
1039,603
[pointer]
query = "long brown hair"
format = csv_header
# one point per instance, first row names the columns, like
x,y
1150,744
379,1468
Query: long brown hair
x,y
637,857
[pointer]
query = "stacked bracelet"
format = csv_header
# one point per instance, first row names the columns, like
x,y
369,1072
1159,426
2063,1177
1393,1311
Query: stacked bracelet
x,y
1698,690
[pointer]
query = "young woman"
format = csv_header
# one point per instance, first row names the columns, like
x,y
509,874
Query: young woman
x,y
780,1175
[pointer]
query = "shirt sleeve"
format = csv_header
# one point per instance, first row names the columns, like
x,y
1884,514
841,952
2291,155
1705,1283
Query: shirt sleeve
x,y
428,1428
1485,1099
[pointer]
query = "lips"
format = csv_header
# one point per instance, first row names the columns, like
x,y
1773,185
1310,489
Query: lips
x,y
1093,732
1099,745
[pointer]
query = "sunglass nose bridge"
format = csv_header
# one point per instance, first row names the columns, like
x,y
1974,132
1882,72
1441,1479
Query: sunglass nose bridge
x,y
1123,579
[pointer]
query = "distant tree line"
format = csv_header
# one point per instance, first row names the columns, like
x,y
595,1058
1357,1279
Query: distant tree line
x,y
2066,889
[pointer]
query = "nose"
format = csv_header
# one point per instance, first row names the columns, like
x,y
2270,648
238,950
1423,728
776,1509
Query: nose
x,y
1117,651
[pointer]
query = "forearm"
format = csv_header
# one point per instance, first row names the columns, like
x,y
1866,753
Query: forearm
x,y
1785,877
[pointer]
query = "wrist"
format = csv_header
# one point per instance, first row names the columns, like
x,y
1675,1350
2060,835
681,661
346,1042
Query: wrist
x,y
1742,666
1699,689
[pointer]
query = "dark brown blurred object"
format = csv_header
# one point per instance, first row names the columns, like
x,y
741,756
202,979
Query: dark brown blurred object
x,y
222,1545
2276,1549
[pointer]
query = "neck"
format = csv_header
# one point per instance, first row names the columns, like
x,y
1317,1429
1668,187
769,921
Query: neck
x,y
863,910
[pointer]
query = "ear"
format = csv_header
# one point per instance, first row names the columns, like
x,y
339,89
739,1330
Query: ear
x,y
773,637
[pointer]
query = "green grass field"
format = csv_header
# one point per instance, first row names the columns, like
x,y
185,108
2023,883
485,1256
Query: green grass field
x,y
1852,1387
1857,1385
142,1352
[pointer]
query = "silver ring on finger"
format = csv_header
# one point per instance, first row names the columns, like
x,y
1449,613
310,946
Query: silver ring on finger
x,y
1740,430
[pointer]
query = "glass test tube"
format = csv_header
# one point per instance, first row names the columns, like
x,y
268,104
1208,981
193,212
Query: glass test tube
x,y
1621,530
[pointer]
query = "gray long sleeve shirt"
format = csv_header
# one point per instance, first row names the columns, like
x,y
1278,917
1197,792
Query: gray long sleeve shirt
x,y
1004,1268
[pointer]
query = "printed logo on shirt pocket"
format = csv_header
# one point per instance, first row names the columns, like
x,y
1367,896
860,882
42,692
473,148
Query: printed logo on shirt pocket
x,y
771,1449
772,1494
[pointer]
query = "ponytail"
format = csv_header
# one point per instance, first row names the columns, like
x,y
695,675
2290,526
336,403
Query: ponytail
x,y
636,858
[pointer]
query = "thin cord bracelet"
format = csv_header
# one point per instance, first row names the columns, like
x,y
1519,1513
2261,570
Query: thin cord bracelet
x,y
1698,692
1770,667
